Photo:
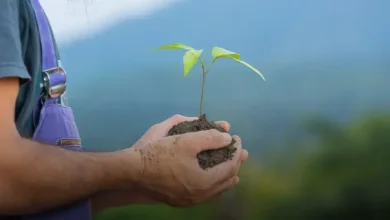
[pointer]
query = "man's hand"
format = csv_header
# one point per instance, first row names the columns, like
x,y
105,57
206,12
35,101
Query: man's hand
x,y
142,196
171,173
160,130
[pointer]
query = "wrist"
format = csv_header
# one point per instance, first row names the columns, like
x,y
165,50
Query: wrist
x,y
126,169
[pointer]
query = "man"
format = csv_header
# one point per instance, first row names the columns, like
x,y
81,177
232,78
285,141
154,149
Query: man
x,y
37,176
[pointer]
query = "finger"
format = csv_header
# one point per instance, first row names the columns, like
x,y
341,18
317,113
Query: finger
x,y
237,139
238,145
176,119
224,124
244,155
200,141
167,125
228,169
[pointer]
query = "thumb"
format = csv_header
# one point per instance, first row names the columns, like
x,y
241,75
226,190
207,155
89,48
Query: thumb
x,y
199,141
176,119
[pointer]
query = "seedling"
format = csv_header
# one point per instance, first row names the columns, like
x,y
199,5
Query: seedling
x,y
207,159
192,56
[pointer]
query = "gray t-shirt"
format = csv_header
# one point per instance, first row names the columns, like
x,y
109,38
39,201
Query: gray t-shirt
x,y
20,56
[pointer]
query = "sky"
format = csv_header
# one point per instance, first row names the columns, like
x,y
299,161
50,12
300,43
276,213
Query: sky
x,y
120,34
277,28
77,19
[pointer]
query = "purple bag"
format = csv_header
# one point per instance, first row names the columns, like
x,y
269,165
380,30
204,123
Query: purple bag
x,y
55,124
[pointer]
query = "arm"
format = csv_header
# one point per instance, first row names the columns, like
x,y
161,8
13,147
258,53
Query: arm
x,y
106,200
35,177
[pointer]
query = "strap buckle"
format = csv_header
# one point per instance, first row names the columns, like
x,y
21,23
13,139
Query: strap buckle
x,y
54,82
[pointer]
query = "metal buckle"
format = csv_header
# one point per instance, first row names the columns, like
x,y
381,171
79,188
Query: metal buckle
x,y
54,82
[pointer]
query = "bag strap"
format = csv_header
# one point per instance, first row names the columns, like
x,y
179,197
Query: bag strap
x,y
54,76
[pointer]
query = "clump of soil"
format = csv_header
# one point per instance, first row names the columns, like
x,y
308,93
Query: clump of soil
x,y
209,158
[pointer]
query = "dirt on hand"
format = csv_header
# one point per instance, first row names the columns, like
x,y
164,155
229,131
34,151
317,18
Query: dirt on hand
x,y
209,158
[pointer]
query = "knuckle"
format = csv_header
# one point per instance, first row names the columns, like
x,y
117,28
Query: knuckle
x,y
194,149
214,135
208,135
178,140
223,124
177,117
154,127
214,132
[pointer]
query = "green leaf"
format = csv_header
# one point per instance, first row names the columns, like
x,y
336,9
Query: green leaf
x,y
175,46
249,66
219,52
190,58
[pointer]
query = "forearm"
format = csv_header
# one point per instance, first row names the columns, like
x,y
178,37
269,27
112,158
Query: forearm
x,y
36,177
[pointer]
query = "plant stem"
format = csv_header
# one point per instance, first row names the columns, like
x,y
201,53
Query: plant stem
x,y
204,73
202,94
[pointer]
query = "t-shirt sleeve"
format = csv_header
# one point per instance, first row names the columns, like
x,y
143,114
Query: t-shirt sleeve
x,y
11,59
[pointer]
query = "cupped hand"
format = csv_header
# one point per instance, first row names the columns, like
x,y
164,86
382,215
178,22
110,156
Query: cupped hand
x,y
161,130
170,169
178,182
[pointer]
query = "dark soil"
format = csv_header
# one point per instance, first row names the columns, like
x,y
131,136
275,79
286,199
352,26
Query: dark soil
x,y
209,158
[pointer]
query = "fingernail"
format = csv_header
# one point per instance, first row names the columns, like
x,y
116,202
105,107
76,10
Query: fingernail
x,y
227,137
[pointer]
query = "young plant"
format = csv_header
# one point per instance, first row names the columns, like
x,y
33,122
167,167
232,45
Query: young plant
x,y
192,56
209,158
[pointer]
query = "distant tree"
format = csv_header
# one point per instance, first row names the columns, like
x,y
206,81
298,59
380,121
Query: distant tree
x,y
346,177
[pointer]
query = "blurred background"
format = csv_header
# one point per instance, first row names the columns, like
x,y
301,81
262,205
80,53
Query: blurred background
x,y
318,128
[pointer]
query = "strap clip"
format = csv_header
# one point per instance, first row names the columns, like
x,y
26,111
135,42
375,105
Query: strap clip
x,y
54,82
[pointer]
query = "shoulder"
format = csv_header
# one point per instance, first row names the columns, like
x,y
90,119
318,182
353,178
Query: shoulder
x,y
11,62
9,11
14,14
12,8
